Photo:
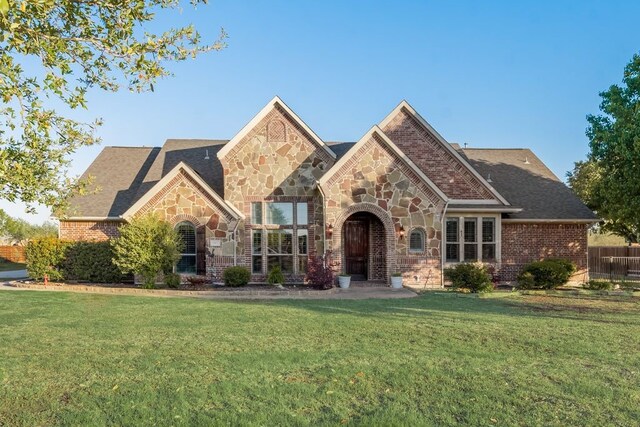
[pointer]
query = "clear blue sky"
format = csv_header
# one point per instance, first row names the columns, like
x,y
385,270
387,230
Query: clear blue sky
x,y
491,74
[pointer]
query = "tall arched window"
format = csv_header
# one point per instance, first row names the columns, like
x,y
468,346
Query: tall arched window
x,y
187,262
416,240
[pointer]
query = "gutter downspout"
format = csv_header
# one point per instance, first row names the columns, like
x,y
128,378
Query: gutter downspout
x,y
324,221
235,243
444,243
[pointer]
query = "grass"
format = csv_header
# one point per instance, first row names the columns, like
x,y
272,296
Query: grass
x,y
78,359
8,266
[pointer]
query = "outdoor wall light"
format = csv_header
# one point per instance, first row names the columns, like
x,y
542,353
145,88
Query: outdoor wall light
x,y
401,232
329,230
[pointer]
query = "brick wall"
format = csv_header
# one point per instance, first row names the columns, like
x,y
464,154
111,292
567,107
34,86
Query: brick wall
x,y
89,230
526,242
12,253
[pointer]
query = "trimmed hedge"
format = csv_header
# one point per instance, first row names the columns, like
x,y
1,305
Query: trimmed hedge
x,y
65,260
547,274
472,276
236,276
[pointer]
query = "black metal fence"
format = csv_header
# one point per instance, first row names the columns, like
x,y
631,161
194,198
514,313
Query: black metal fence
x,y
615,263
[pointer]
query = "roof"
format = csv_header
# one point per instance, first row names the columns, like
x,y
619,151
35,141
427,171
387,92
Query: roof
x,y
521,177
124,174
117,173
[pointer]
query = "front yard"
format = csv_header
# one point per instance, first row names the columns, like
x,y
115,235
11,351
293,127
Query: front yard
x,y
77,359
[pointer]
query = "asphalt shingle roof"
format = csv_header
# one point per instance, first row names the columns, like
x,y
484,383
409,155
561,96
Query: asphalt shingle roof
x,y
530,186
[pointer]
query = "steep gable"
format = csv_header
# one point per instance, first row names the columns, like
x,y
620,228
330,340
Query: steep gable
x,y
435,156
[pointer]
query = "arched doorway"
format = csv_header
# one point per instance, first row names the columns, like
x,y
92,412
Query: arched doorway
x,y
364,247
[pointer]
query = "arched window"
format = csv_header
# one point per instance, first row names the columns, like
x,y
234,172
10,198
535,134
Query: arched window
x,y
416,240
187,262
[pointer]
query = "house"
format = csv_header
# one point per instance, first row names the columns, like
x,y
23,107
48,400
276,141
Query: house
x,y
401,199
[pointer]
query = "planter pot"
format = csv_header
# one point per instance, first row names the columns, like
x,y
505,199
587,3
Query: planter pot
x,y
396,282
344,281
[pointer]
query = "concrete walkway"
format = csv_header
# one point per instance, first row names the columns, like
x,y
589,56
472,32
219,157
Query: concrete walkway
x,y
13,274
354,293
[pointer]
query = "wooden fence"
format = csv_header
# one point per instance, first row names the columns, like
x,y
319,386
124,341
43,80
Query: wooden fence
x,y
616,263
12,254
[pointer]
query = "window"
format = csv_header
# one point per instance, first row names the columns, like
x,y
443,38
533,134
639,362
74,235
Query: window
x,y
256,213
488,239
303,250
302,214
280,250
452,249
416,241
279,213
471,239
187,262
256,251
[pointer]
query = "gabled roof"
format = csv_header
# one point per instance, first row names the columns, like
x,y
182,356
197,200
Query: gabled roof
x,y
276,101
181,167
404,105
376,131
117,173
527,183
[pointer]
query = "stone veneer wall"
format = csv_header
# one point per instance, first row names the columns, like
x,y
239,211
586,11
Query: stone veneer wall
x,y
88,230
276,161
374,180
526,242
446,171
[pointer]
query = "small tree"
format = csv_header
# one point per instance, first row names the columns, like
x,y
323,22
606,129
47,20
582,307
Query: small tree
x,y
320,275
147,246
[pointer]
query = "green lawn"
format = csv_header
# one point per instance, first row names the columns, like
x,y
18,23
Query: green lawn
x,y
8,266
77,359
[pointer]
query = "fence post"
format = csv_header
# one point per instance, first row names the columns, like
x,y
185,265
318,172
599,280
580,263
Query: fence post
x,y
610,267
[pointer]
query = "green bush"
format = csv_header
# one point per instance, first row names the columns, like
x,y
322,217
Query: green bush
x,y
147,246
547,274
92,262
236,276
275,276
471,276
45,257
598,285
172,280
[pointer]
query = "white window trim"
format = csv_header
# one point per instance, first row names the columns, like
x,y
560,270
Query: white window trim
x,y
461,243
195,241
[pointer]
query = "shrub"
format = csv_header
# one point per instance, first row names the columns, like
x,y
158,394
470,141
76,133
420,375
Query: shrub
x,y
598,285
320,275
172,280
275,276
198,281
90,261
147,246
471,276
236,276
45,257
546,274
396,275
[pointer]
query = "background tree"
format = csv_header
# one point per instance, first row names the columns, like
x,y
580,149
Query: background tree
x,y
18,231
71,46
147,246
609,181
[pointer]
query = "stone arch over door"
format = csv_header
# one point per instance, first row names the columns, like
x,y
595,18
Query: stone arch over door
x,y
389,230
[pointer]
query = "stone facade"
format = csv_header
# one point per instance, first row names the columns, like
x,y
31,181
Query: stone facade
x,y
88,230
377,181
276,161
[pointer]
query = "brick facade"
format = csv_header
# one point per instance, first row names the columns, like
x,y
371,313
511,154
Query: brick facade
x,y
88,230
444,169
526,242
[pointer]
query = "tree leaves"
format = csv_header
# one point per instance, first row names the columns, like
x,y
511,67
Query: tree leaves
x,y
78,46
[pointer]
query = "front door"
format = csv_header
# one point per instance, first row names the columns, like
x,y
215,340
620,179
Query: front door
x,y
356,236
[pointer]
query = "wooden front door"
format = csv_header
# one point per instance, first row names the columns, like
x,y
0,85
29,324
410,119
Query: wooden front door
x,y
356,248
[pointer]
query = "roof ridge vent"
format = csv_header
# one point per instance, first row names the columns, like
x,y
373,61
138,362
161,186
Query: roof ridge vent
x,y
526,160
